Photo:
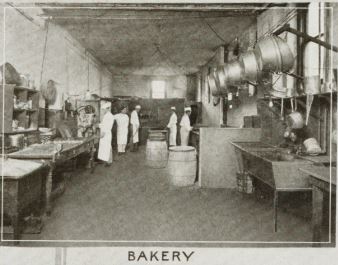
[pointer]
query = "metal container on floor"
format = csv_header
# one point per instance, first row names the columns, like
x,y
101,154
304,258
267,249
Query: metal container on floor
x,y
182,165
156,153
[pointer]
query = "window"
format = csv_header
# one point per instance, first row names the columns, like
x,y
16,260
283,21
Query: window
x,y
158,89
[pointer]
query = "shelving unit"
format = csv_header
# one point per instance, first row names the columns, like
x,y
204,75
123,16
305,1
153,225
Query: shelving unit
x,y
27,118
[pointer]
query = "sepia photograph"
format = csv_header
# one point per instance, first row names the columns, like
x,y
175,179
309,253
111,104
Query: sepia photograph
x,y
174,124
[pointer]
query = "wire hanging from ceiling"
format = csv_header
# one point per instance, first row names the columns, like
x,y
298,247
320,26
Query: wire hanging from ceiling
x,y
212,29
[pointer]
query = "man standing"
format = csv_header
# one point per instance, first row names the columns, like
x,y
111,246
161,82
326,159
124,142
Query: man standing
x,y
135,123
105,149
172,125
122,121
185,127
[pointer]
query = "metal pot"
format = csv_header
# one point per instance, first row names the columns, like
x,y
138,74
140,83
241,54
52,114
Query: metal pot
x,y
312,146
274,54
250,66
234,72
295,120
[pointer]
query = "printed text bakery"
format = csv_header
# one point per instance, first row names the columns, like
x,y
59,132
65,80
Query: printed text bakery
x,y
170,256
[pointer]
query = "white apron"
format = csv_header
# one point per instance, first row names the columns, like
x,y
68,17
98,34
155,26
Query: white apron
x,y
172,125
185,130
122,121
105,149
134,121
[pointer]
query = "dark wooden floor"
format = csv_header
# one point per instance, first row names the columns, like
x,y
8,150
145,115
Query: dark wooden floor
x,y
130,202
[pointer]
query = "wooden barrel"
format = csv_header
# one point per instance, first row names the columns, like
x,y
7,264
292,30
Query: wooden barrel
x,y
156,153
182,165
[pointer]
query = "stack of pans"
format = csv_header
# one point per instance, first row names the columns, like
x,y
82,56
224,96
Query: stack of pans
x,y
271,54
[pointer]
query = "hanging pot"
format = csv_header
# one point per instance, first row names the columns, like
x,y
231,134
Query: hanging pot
x,y
250,66
221,78
274,54
234,73
295,119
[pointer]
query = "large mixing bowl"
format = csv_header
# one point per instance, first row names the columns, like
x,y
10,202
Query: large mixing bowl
x,y
274,54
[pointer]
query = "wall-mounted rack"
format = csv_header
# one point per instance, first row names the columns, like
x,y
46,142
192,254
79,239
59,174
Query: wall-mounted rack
x,y
305,36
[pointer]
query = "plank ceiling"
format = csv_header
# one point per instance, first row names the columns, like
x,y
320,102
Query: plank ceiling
x,y
154,39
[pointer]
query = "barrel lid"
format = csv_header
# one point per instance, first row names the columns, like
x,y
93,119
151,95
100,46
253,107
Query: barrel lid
x,y
181,148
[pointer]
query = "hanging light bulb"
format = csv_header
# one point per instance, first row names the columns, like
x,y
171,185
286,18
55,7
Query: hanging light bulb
x,y
270,103
230,100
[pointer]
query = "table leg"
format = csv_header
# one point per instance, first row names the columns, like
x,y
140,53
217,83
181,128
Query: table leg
x,y
16,227
275,209
91,159
317,214
49,182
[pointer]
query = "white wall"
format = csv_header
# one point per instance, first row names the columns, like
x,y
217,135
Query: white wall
x,y
66,61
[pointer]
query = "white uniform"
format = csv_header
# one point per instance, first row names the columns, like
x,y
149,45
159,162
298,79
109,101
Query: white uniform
x,y
105,150
122,121
172,125
185,129
135,122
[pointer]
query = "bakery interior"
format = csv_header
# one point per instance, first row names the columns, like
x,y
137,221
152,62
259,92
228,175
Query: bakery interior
x,y
256,81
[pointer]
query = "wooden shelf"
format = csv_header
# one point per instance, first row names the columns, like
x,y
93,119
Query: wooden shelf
x,y
27,118
31,110
29,90
23,131
326,94
19,110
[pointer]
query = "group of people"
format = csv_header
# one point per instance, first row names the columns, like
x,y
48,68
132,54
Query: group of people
x,y
105,152
184,124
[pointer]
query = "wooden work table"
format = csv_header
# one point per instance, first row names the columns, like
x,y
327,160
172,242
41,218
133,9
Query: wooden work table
x,y
23,183
52,156
323,179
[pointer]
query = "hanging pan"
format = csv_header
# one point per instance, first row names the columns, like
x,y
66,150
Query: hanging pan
x,y
212,83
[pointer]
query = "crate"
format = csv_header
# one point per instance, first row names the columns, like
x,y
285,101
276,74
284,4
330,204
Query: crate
x,y
244,183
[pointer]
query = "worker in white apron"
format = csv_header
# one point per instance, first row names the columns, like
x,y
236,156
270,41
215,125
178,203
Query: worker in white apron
x,y
122,120
105,152
185,126
135,123
172,125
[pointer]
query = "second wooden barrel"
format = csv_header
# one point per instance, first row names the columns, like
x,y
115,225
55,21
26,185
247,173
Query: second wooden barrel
x,y
156,153
182,165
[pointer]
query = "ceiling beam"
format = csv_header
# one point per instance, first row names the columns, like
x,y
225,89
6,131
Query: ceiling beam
x,y
153,7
